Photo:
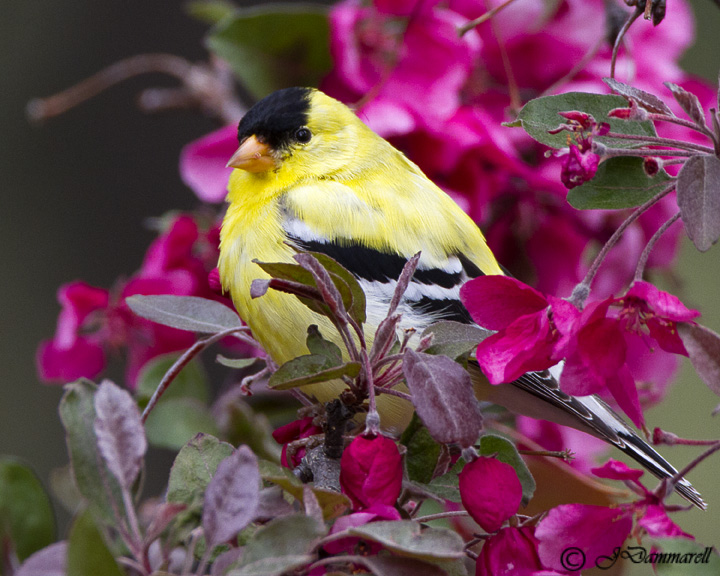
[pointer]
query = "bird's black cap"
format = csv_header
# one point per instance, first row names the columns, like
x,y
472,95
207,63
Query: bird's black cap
x,y
277,117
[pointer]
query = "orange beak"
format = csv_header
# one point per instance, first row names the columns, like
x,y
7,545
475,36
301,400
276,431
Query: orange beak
x,y
253,156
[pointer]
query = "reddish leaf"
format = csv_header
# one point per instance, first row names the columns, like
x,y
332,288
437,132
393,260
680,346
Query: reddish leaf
x,y
650,102
698,196
120,433
232,497
703,346
443,397
689,102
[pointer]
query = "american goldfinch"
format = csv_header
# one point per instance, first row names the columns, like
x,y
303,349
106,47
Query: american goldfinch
x,y
309,175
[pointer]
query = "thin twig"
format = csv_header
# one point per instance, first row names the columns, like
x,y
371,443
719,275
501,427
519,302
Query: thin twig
x,y
621,35
657,141
180,363
44,108
582,290
462,30
391,392
442,515
642,262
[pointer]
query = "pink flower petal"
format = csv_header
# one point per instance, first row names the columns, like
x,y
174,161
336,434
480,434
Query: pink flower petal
x,y
526,345
594,530
657,524
616,470
371,471
510,552
490,491
662,303
83,359
494,302
202,164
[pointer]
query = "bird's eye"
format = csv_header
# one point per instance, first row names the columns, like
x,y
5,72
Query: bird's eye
x,y
303,135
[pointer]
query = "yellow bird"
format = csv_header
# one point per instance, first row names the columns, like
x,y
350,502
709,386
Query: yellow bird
x,y
311,176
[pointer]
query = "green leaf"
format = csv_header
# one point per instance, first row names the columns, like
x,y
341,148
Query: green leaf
x,y
174,422
25,509
350,290
506,451
454,339
87,553
77,412
280,546
191,381
422,451
194,467
241,425
541,114
318,345
332,504
237,363
619,182
273,47
188,313
411,539
210,11
682,556
447,486
310,369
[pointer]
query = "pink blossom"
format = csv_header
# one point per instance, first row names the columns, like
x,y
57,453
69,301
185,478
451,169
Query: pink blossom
x,y
71,354
649,510
510,552
371,472
595,531
490,491
95,322
295,430
202,163
526,337
419,65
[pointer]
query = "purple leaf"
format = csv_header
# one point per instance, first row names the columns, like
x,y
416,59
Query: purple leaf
x,y
50,561
189,313
402,283
259,288
312,506
650,102
689,103
120,433
698,196
443,397
385,336
703,346
162,514
232,497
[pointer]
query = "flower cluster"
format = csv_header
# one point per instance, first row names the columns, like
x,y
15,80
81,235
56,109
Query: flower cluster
x,y
534,332
498,175
95,322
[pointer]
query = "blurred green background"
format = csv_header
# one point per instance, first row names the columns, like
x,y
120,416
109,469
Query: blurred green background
x,y
77,190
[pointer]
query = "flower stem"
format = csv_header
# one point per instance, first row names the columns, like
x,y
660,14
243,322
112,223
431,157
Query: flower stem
x,y
180,363
621,35
442,515
642,262
582,290
462,30
682,122
656,141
